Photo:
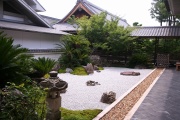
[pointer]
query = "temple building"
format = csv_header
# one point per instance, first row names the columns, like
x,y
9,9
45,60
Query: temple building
x,y
84,8
20,19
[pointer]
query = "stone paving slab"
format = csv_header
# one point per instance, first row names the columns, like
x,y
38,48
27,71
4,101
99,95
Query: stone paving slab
x,y
163,101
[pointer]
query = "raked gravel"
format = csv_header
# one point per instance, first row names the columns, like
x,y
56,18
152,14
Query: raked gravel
x,y
79,96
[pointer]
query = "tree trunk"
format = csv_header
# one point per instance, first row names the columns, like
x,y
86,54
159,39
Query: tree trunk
x,y
174,20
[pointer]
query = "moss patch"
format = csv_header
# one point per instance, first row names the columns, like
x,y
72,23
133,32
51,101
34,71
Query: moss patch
x,y
46,76
101,68
79,71
62,70
79,114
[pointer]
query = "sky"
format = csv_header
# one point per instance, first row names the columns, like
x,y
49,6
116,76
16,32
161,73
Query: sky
x,y
131,10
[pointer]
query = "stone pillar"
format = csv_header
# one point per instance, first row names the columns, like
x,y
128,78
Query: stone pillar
x,y
53,106
53,98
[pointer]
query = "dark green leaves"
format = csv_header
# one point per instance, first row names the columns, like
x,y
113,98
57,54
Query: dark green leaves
x,y
75,51
43,65
10,57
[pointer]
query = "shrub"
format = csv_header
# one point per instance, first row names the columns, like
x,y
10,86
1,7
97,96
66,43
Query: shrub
x,y
22,103
13,61
75,51
61,70
43,65
139,59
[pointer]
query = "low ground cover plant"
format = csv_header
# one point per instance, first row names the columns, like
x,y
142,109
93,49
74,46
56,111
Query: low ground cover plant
x,y
79,114
79,71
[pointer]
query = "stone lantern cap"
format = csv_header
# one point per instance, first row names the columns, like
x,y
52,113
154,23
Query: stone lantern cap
x,y
54,84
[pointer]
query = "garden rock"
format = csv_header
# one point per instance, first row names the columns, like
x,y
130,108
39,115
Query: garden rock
x,y
130,73
95,59
96,67
91,83
16,92
108,97
69,70
89,68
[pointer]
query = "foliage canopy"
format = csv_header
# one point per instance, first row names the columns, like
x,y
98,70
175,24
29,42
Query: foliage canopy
x,y
104,34
75,51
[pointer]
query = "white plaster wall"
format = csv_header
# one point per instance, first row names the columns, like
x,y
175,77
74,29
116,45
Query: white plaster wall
x,y
54,56
32,40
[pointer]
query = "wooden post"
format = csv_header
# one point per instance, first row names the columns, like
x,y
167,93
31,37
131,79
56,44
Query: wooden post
x,y
155,49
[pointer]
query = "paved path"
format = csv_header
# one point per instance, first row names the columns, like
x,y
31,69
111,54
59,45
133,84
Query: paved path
x,y
163,101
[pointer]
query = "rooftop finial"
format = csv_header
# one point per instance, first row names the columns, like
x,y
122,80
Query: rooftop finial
x,y
79,1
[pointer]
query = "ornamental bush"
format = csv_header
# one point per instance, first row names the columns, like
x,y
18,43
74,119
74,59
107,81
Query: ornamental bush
x,y
42,65
13,61
22,103
75,51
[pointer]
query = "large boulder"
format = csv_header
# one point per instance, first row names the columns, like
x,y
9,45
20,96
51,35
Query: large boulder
x,y
108,97
89,68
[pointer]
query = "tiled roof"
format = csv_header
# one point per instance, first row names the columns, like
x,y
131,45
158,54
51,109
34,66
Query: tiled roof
x,y
174,6
22,6
65,27
30,28
97,10
92,9
163,31
50,20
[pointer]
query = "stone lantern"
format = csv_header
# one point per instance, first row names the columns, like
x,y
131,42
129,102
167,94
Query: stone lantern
x,y
54,86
